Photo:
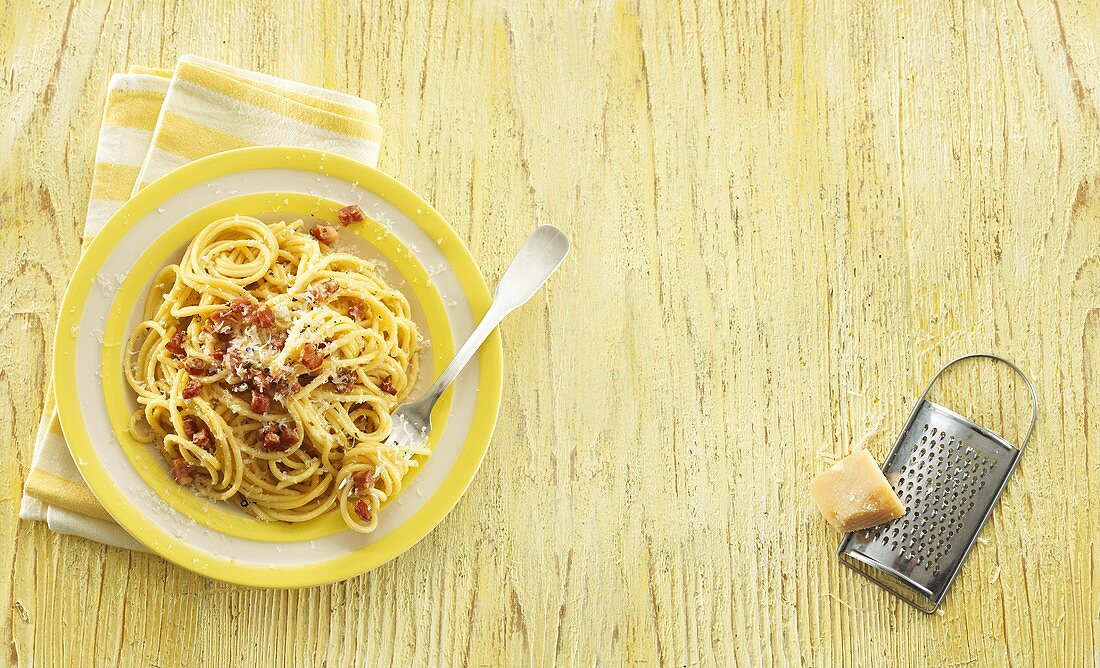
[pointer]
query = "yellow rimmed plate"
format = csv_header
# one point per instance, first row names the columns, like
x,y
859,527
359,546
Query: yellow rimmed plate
x,y
423,257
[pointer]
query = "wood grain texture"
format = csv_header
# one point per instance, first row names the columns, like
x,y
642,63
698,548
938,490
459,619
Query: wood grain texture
x,y
785,216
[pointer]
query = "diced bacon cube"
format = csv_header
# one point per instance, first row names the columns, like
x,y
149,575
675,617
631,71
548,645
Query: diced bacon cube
x,y
202,439
233,360
183,472
311,357
363,510
221,329
326,234
345,379
286,386
322,291
261,316
350,214
239,307
356,309
288,436
260,403
278,437
271,442
361,481
261,382
174,345
196,366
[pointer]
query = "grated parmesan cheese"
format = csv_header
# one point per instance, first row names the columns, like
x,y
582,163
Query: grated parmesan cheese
x,y
109,284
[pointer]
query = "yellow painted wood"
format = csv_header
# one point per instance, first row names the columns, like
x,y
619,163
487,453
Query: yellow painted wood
x,y
785,216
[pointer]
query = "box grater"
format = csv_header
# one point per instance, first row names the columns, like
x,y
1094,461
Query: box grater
x,y
949,473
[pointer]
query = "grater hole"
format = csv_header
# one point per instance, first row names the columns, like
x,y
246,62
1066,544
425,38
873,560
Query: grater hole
x,y
934,499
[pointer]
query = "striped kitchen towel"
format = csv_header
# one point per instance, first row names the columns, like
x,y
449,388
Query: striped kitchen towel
x,y
153,122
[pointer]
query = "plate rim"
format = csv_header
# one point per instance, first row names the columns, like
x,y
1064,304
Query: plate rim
x,y
225,568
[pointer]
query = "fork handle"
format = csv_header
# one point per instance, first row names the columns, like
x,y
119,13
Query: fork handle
x,y
537,259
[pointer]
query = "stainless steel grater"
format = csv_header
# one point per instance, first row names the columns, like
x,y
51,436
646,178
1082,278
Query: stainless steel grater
x,y
949,473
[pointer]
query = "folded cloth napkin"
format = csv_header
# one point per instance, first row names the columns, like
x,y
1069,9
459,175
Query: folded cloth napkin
x,y
153,122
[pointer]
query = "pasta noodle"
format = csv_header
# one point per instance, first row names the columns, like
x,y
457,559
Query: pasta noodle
x,y
266,369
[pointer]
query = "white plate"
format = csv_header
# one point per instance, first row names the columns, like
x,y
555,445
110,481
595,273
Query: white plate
x,y
426,261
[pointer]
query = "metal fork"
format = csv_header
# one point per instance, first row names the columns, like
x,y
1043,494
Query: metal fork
x,y
537,259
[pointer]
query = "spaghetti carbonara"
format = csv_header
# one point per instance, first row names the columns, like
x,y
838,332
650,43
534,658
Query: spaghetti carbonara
x,y
266,369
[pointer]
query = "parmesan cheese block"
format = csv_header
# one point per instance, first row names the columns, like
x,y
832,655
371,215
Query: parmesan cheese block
x,y
853,494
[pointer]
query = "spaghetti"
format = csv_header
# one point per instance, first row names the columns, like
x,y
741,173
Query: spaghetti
x,y
266,369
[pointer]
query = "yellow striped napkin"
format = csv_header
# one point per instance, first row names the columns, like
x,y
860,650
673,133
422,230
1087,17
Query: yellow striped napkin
x,y
155,121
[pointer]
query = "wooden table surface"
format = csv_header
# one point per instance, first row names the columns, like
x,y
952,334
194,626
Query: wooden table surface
x,y
784,216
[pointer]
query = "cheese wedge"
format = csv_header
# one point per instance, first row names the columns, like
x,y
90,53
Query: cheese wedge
x,y
853,494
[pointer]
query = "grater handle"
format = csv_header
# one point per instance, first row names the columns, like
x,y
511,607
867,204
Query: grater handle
x,y
996,358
